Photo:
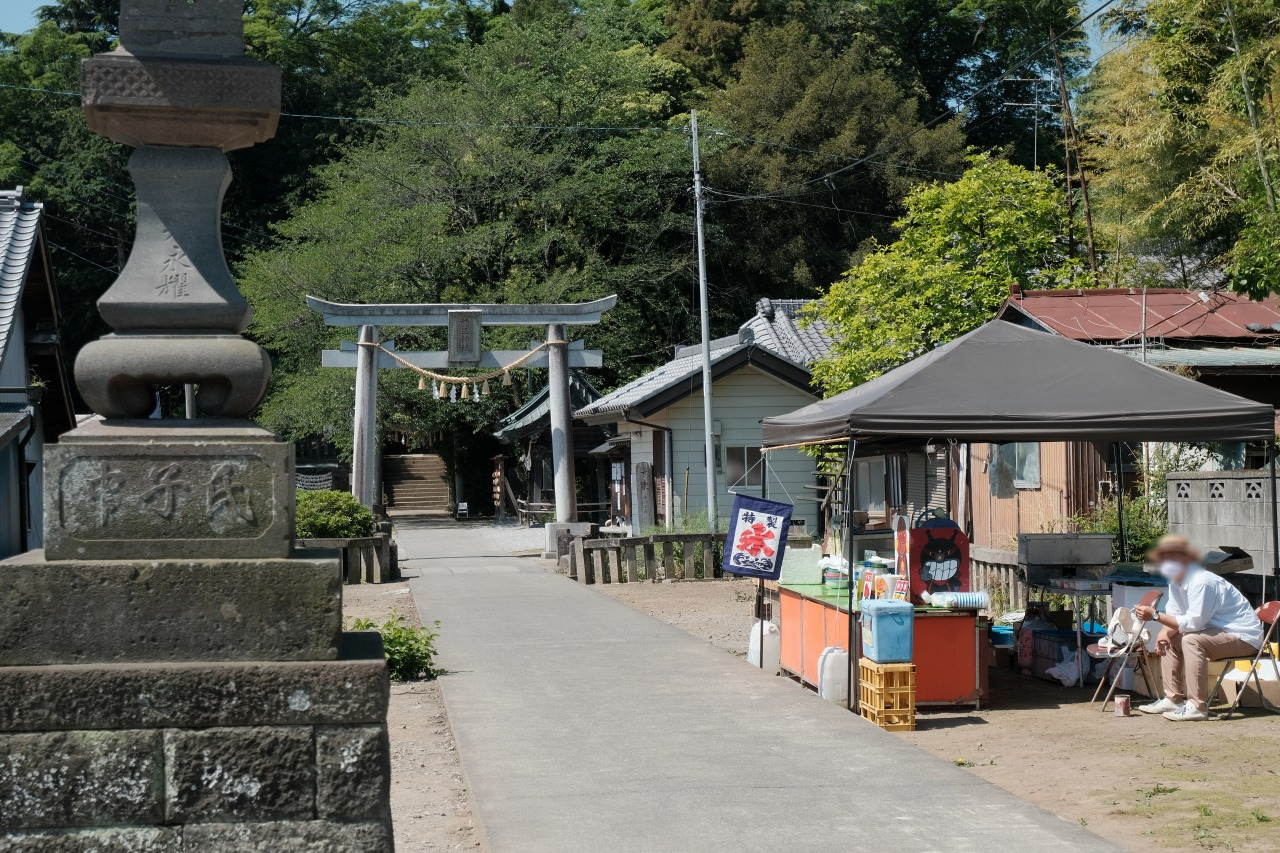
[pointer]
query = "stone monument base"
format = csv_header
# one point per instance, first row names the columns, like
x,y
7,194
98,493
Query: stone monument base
x,y
223,756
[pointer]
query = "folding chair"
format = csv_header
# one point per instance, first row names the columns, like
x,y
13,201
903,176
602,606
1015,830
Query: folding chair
x,y
1269,613
1125,649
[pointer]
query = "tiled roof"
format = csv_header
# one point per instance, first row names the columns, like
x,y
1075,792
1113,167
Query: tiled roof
x,y
659,379
19,232
535,415
776,326
1115,315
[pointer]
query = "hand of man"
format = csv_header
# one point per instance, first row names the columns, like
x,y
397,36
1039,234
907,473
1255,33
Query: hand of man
x,y
1146,614
1164,642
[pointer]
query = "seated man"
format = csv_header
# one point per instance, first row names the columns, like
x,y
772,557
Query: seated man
x,y
1206,619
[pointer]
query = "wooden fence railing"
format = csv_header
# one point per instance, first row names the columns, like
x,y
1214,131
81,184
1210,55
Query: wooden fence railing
x,y
663,556
997,572
365,558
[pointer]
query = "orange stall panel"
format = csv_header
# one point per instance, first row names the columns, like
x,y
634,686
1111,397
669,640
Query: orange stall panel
x,y
813,637
945,652
789,606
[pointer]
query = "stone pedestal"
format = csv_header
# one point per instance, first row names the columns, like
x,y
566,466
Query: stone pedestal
x,y
172,677
184,704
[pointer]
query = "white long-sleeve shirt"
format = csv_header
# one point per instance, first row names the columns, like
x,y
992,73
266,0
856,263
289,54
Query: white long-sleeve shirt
x,y
1203,600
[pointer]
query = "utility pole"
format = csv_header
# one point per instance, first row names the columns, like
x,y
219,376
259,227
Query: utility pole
x,y
1072,144
713,518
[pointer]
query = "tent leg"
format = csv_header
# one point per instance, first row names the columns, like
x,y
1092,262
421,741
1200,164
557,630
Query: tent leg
x,y
1115,452
1275,525
848,556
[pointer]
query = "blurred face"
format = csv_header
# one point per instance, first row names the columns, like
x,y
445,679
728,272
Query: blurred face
x,y
1173,566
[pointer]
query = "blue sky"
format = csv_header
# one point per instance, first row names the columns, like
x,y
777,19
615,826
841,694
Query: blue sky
x,y
18,16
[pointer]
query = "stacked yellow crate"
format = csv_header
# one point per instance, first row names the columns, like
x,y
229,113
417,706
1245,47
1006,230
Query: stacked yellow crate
x,y
887,694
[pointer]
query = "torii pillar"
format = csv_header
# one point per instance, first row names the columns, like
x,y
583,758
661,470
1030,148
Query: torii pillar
x,y
464,321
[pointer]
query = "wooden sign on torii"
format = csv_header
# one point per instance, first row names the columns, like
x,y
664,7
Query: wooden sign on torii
x,y
465,321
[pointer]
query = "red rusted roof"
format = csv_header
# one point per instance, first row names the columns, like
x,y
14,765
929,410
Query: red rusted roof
x,y
1115,315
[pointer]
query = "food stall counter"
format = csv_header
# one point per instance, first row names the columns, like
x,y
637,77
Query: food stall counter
x,y
948,645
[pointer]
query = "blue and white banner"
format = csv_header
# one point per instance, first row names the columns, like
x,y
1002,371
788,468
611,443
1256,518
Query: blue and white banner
x,y
757,537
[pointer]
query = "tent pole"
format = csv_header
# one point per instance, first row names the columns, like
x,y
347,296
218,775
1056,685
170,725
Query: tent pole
x,y
764,494
1115,452
1275,525
850,449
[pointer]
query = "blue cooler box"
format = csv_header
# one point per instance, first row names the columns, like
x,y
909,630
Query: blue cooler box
x,y
886,630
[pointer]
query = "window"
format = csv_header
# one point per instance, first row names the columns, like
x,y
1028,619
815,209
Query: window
x,y
1024,458
743,466
868,485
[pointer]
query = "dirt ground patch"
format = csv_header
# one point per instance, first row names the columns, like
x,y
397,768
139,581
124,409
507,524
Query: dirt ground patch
x,y
430,806
1141,782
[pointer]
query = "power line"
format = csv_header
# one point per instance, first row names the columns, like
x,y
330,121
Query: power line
x,y
82,257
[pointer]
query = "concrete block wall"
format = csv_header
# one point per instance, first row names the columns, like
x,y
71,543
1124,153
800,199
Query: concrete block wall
x,y
1213,508
197,756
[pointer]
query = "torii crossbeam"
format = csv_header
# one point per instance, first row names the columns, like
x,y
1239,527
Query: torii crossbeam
x,y
465,321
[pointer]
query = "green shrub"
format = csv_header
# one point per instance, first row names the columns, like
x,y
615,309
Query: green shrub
x,y
331,515
410,650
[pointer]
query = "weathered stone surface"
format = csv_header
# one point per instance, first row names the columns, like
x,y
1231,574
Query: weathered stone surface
x,y
348,691
73,779
219,104
265,773
353,773
139,611
317,836
117,374
211,27
147,839
168,489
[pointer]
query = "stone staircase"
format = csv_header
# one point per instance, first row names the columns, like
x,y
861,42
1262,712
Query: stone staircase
x,y
416,483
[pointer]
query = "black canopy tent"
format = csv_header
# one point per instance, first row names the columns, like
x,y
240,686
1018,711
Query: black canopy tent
x,y
1004,383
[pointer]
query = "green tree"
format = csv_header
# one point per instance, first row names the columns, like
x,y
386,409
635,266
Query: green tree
x,y
550,164
1182,129
959,249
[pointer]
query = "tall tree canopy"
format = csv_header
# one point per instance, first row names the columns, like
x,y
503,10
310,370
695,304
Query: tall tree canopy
x,y
550,165
1182,124
960,247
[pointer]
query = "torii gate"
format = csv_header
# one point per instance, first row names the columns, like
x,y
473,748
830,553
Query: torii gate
x,y
465,321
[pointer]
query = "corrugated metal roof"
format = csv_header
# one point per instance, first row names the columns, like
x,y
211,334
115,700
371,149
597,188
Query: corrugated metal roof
x,y
1208,357
19,236
1115,315
13,417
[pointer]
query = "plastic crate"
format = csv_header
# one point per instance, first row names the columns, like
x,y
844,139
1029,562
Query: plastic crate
x,y
1046,653
887,694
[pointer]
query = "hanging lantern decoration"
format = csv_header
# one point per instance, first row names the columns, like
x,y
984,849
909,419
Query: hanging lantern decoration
x,y
506,379
422,383
485,388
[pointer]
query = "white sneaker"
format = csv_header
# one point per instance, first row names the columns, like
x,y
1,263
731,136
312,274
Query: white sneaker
x,y
1188,713
1160,706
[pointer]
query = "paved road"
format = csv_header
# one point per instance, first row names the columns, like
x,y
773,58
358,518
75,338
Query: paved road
x,y
584,725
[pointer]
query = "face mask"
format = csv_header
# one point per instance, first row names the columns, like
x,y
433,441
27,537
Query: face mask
x,y
1169,569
